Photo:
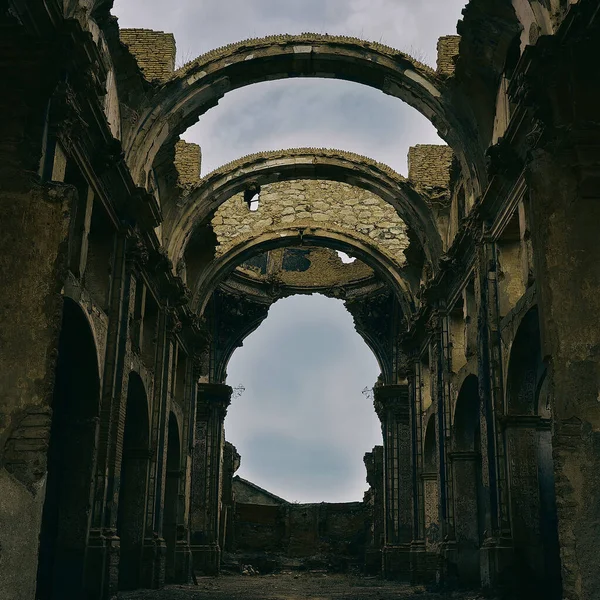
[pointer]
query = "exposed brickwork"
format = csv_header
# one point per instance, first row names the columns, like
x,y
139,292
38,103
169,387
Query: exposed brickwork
x,y
25,450
153,50
447,48
429,165
188,160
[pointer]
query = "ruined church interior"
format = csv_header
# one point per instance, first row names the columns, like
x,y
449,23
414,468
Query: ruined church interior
x,y
130,276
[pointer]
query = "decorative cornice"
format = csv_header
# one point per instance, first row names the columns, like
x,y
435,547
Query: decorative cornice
x,y
213,398
392,401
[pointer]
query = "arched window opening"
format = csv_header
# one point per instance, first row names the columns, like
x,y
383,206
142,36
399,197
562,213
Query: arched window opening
x,y
468,491
252,196
531,467
71,460
133,484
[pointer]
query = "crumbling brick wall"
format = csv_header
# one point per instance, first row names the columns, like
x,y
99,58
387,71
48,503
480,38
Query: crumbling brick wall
x,y
429,166
153,50
188,161
310,203
447,48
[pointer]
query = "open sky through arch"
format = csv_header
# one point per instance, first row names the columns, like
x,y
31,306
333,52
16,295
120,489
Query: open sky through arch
x,y
307,112
295,113
302,425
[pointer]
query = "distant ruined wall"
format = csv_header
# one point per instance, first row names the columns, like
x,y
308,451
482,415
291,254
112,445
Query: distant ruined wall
x,y
153,50
302,530
307,203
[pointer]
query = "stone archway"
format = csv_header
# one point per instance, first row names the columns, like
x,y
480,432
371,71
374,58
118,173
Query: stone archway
x,y
172,512
285,237
530,466
133,484
302,163
71,460
467,485
198,86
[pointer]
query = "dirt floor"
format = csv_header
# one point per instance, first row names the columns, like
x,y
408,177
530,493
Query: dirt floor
x,y
293,586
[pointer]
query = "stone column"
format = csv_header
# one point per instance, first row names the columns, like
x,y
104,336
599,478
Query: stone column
x,y
496,549
419,564
442,368
207,475
392,406
155,547
182,547
102,560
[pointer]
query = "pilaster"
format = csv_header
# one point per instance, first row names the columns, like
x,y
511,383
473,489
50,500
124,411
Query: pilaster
x,y
497,547
207,476
392,407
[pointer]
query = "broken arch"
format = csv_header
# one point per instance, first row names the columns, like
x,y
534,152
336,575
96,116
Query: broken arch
x,y
198,86
388,270
303,163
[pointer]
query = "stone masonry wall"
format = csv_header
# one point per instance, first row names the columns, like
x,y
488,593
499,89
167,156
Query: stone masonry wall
x,y
429,165
153,50
188,160
310,203
447,48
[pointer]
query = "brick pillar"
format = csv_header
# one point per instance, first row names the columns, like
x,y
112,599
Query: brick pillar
x,y
207,476
391,404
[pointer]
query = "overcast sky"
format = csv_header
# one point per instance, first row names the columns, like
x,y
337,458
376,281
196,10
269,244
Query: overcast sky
x,y
308,112
302,425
